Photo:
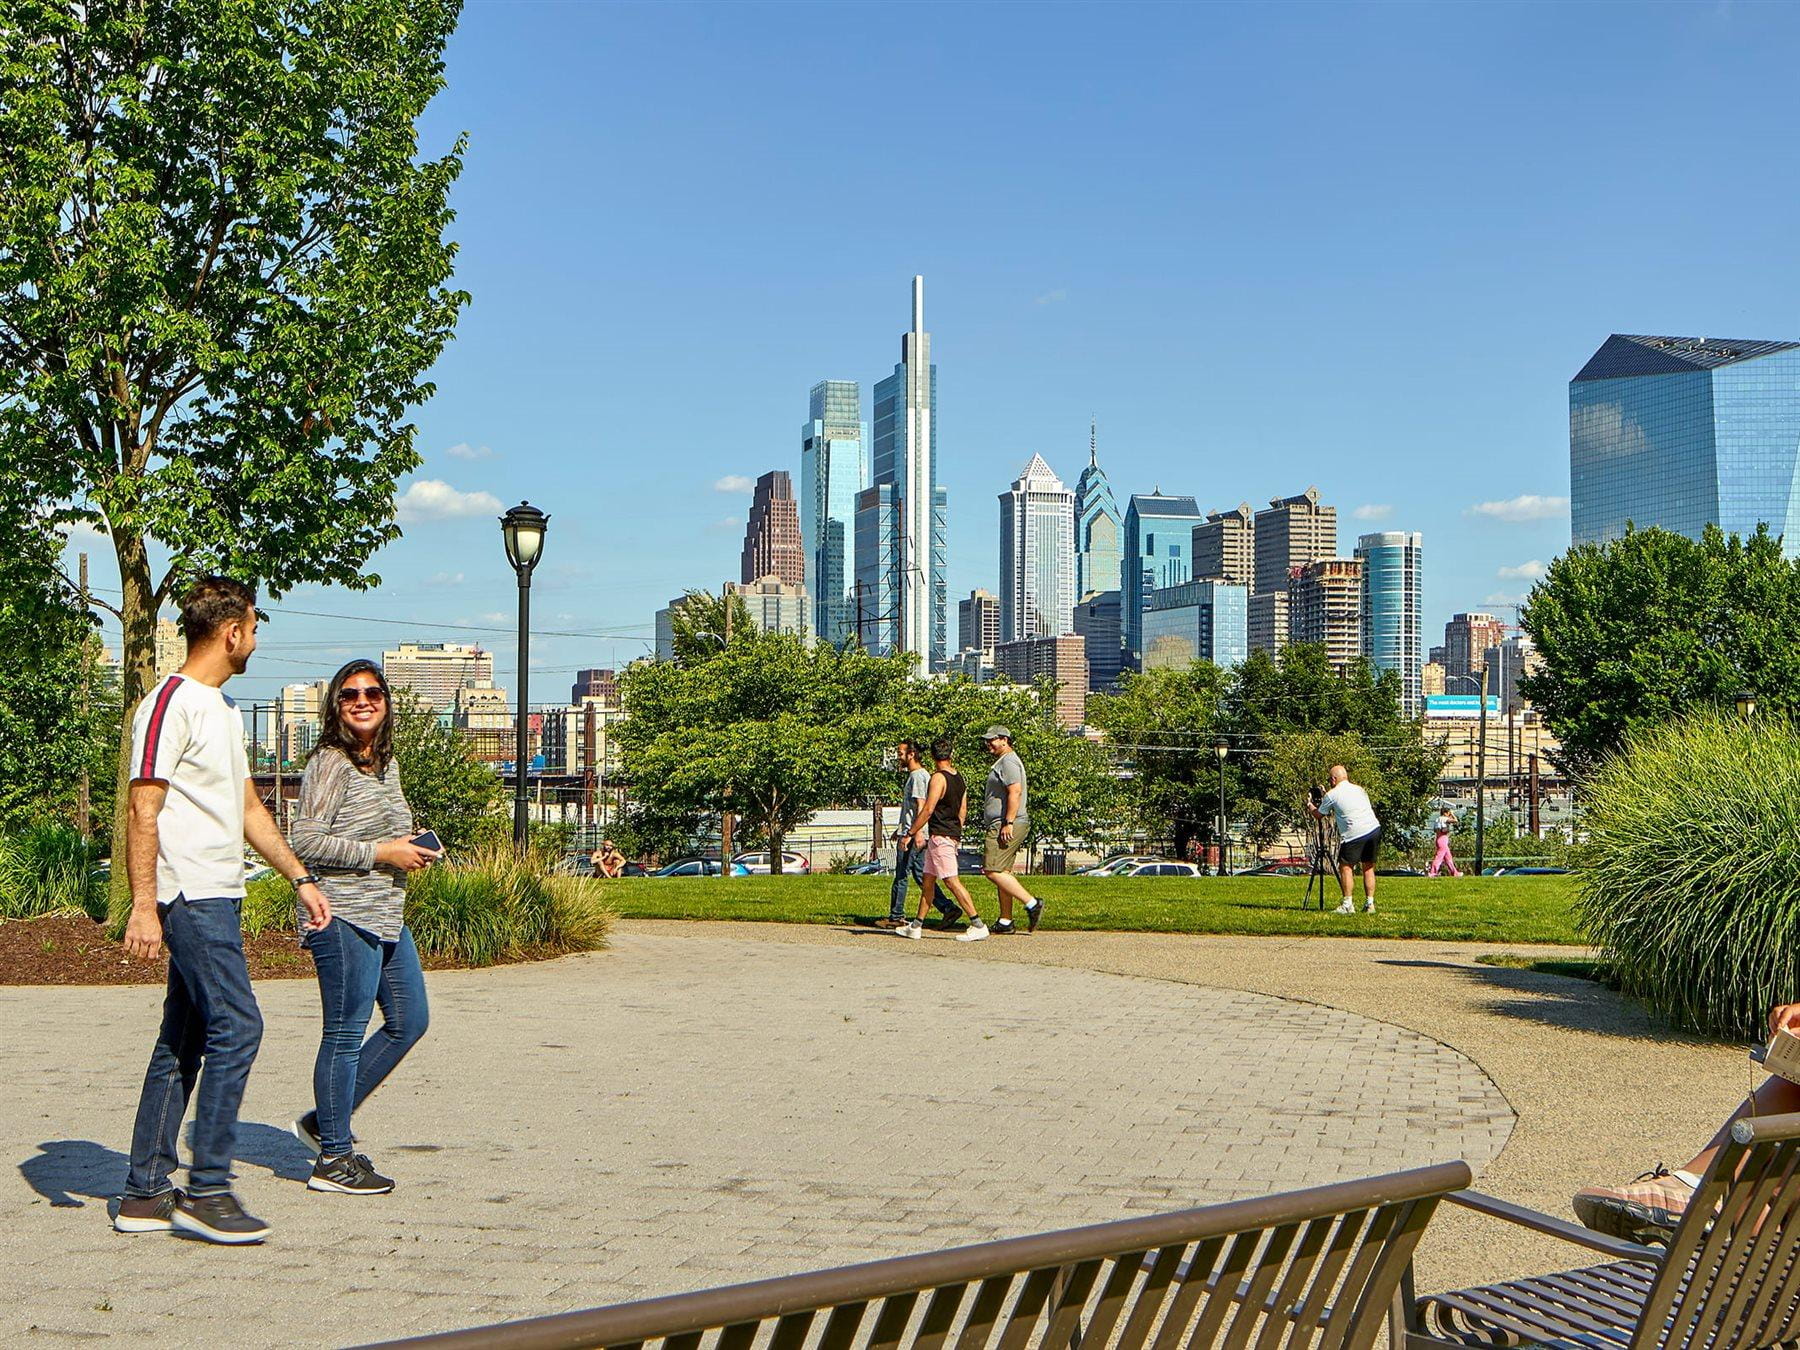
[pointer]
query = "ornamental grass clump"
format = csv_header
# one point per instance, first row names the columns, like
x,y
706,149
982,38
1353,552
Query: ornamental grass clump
x,y
495,903
1691,885
50,869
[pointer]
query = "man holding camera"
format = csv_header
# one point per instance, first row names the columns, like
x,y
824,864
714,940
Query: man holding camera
x,y
1359,835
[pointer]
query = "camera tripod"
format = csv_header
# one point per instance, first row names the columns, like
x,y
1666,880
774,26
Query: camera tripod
x,y
1319,856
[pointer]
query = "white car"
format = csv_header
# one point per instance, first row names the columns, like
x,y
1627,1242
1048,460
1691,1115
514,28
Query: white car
x,y
1161,868
757,864
1113,867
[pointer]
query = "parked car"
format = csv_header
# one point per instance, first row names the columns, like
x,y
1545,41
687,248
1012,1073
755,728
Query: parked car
x,y
697,867
1119,862
757,864
1279,868
1161,868
1398,872
1533,872
873,868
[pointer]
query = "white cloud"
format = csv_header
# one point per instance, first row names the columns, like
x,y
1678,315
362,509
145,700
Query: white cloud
x,y
1055,297
466,451
1502,600
735,482
1525,571
727,523
1526,506
446,579
496,616
434,499
1373,511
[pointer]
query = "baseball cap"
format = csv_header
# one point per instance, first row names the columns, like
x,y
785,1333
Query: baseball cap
x,y
997,733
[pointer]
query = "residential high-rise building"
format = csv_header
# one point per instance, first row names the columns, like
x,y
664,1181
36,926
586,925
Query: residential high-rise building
x,y
1435,655
1197,621
1292,532
907,575
1508,662
1159,531
775,606
434,671
978,622
1097,620
1431,679
601,683
1393,579
1466,637
1325,607
1225,546
1268,621
1684,433
834,470
1061,659
1099,531
484,715
772,546
1037,555
171,647
300,719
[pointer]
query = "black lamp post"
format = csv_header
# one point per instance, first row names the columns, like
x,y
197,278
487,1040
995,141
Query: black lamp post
x,y
1222,750
523,528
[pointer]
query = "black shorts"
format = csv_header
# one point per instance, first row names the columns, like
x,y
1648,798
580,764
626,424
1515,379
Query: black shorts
x,y
1361,849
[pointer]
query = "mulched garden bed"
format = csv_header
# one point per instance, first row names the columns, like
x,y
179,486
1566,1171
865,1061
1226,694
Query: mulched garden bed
x,y
77,951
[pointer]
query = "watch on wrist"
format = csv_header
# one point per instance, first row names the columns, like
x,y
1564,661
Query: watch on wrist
x,y
308,880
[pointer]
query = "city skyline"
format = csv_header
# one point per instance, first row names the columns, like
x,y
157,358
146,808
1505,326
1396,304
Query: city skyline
x,y
1319,287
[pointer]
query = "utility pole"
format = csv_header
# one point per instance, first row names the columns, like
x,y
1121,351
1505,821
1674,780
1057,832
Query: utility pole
x,y
1481,776
277,718
725,820
1536,831
82,799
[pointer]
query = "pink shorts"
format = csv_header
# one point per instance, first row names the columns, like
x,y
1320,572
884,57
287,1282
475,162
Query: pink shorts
x,y
940,856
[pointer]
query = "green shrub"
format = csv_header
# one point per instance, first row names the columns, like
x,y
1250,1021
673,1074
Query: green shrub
x,y
492,904
1691,885
50,869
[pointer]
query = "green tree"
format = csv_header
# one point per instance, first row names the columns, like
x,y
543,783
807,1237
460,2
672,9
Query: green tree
x,y
223,279
701,620
448,789
771,727
1163,725
1638,631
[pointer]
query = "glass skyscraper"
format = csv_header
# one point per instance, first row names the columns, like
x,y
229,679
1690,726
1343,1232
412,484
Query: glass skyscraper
x,y
1392,609
834,469
1097,526
1197,621
1683,433
908,575
1158,532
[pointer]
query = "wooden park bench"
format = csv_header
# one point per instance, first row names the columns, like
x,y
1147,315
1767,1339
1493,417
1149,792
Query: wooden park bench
x,y
1314,1267
1727,1280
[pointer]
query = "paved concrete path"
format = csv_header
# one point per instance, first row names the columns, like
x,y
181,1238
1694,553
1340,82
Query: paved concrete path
x,y
698,1106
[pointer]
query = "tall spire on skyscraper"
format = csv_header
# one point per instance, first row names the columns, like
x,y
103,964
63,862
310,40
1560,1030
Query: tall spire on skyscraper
x,y
1093,442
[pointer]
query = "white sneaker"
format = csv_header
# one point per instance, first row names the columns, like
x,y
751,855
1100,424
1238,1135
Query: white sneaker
x,y
975,932
1368,907
1348,907
910,929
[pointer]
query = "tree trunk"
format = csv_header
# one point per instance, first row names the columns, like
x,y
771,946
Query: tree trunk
x,y
137,672
776,834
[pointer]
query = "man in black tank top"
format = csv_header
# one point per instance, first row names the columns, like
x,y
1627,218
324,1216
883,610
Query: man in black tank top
x,y
942,813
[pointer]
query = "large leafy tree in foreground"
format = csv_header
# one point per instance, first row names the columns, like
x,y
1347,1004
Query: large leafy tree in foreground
x,y
223,279
1641,630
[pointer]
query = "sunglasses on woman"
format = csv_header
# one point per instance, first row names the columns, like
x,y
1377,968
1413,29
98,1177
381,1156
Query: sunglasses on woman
x,y
372,693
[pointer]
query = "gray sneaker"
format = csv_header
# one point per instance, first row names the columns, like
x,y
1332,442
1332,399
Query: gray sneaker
x,y
217,1218
352,1174
146,1214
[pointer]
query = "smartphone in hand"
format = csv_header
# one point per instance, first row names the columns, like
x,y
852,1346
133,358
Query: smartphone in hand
x,y
428,839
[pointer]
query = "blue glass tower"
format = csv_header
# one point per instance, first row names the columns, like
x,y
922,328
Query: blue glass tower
x,y
1683,433
1158,532
909,574
1097,526
1393,579
834,469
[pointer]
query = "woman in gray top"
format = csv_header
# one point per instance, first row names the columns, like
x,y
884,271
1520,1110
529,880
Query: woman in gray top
x,y
354,830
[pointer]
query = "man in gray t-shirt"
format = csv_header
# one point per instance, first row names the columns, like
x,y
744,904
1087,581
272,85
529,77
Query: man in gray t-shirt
x,y
909,863
1006,824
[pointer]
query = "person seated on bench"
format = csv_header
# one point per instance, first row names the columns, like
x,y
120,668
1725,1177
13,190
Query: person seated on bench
x,y
1657,1199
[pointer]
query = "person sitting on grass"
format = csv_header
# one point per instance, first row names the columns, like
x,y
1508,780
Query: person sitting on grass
x,y
943,813
1650,1207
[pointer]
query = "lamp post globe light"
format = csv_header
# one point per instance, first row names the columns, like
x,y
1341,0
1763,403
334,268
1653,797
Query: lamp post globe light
x,y
1746,704
523,529
1222,750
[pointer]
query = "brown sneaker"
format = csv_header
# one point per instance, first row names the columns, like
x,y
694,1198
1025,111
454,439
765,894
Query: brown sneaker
x,y
147,1214
1649,1209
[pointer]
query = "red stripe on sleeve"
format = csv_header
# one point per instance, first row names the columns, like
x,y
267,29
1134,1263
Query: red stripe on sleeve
x,y
153,732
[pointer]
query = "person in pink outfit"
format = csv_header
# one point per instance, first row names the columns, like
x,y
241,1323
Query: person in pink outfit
x,y
1445,824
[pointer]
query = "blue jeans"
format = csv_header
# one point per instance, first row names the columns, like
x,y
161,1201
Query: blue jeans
x,y
909,867
357,970
210,1014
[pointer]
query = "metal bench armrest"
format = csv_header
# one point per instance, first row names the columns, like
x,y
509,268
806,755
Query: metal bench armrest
x,y
1550,1225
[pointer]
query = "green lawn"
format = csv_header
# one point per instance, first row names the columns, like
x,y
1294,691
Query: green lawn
x,y
1473,909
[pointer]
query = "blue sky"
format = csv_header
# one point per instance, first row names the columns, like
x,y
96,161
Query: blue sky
x,y
1267,246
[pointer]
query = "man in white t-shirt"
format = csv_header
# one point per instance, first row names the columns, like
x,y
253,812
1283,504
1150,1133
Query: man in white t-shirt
x,y
192,809
909,862
1359,836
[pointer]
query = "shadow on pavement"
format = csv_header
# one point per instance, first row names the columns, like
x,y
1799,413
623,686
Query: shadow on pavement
x,y
70,1172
